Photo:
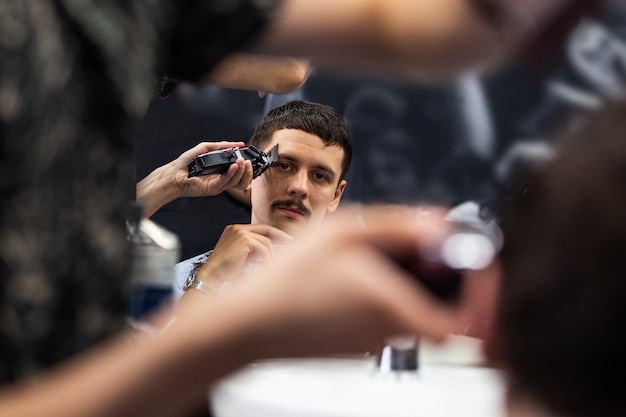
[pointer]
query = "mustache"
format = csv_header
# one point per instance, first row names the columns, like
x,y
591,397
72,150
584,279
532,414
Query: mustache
x,y
291,203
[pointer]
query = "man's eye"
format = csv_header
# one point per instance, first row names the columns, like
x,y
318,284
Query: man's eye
x,y
283,165
320,176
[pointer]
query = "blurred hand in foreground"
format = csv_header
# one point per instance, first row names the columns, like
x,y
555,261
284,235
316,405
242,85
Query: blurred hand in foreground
x,y
340,291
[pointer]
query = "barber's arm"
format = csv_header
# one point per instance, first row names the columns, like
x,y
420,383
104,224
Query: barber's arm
x,y
419,38
336,294
170,181
269,74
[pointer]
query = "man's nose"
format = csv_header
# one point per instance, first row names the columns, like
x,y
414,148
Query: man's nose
x,y
299,185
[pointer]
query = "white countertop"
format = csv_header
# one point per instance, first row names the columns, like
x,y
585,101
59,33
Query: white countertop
x,y
449,383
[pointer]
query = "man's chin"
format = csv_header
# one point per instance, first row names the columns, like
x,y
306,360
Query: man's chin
x,y
293,227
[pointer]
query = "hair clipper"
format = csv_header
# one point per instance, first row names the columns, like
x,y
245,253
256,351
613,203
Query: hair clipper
x,y
217,162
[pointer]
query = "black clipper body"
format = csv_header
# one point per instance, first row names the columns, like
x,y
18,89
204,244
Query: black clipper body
x,y
217,162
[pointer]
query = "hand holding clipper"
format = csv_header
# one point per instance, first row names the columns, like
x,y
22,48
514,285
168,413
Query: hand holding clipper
x,y
217,162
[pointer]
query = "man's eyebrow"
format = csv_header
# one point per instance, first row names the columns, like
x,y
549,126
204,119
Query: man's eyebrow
x,y
329,171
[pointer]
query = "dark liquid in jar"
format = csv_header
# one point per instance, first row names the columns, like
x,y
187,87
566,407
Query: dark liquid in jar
x,y
439,279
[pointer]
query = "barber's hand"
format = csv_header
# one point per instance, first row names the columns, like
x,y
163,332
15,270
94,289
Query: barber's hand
x,y
238,175
341,291
170,181
238,244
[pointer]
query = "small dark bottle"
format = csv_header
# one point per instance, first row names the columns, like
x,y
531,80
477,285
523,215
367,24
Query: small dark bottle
x,y
469,246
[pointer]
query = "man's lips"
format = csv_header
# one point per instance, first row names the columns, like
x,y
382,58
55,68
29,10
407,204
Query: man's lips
x,y
291,211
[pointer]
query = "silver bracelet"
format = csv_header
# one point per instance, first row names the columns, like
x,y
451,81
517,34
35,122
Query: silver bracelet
x,y
195,283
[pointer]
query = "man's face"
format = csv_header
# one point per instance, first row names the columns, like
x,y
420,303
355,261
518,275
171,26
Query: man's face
x,y
302,186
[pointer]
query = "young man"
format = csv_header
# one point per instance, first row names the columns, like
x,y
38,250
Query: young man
x,y
190,113
293,195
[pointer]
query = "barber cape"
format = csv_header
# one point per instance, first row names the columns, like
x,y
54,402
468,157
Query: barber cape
x,y
184,269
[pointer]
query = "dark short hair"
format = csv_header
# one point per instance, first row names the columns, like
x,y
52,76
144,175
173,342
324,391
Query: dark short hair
x,y
314,118
562,306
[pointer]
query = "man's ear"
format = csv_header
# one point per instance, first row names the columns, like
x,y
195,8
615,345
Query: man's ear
x,y
242,196
338,193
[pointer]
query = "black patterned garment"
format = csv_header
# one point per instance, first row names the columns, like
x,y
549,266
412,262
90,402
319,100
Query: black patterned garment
x,y
75,76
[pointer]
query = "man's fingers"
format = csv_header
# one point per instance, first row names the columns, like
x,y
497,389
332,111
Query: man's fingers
x,y
238,176
274,234
214,146
204,147
246,179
